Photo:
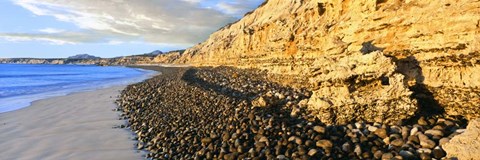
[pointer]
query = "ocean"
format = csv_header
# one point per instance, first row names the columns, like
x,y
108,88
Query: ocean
x,y
21,84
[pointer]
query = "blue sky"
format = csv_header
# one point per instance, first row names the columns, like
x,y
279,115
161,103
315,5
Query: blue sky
x,y
110,28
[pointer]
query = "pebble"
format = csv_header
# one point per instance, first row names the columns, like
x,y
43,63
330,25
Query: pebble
x,y
397,142
387,156
319,129
421,121
312,152
378,154
434,132
424,150
325,144
425,156
405,132
282,157
358,150
413,139
372,128
406,154
438,153
413,131
206,140
347,147
425,142
263,139
381,132
443,141
140,146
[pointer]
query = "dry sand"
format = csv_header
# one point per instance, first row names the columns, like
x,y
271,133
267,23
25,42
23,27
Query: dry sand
x,y
76,126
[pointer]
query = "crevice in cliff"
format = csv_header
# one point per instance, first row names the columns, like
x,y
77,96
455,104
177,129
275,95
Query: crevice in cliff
x,y
321,9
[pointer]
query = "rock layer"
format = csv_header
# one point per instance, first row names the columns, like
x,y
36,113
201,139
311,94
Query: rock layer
x,y
434,44
360,87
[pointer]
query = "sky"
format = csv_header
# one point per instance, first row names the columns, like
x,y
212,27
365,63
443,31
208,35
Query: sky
x,y
111,28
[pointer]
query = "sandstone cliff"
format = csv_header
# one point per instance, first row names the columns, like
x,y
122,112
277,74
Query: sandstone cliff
x,y
426,54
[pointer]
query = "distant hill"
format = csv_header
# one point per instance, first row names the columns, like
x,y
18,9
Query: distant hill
x,y
154,53
155,57
83,56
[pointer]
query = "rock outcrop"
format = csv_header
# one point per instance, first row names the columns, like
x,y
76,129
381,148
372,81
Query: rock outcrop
x,y
467,144
360,87
431,48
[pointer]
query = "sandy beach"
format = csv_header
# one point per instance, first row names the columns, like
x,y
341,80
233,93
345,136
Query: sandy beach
x,y
76,126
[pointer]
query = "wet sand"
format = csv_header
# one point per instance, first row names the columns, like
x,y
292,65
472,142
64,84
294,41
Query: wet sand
x,y
76,126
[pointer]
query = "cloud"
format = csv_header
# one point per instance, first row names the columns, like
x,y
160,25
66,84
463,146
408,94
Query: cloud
x,y
55,39
237,8
193,1
51,30
166,21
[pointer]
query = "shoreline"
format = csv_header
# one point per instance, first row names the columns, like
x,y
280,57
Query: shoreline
x,y
76,126
81,124
25,101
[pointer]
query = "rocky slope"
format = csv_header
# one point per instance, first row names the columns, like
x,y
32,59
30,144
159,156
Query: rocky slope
x,y
365,59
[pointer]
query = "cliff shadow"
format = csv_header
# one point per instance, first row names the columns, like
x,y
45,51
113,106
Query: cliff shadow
x,y
427,105
191,77
368,47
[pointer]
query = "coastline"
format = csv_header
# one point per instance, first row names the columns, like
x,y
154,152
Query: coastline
x,y
76,126
13,103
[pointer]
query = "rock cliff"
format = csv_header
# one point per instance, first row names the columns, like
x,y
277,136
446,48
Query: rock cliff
x,y
373,57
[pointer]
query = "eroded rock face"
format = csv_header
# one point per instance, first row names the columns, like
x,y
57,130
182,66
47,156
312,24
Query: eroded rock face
x,y
360,87
467,144
433,44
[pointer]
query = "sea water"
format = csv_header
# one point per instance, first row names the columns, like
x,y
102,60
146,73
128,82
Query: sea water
x,y
21,84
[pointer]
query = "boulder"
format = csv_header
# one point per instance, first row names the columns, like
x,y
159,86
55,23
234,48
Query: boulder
x,y
467,144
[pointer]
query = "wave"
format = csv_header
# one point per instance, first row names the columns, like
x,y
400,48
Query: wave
x,y
36,75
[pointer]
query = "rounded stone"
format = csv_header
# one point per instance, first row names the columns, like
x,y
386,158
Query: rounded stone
x,y
425,156
422,121
378,154
325,144
346,147
443,141
387,156
381,132
438,153
425,142
397,142
312,152
319,129
434,132
406,154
